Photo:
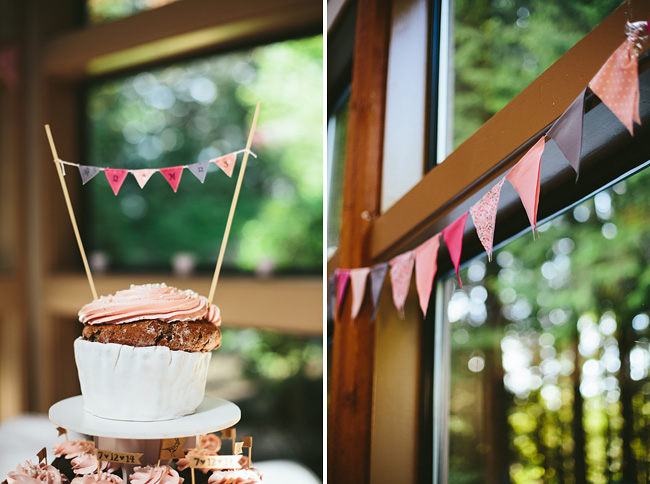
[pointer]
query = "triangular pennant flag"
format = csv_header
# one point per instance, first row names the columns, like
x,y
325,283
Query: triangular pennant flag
x,y
199,169
227,163
453,237
172,175
524,176
115,178
342,279
358,279
88,172
617,84
567,131
426,265
142,176
377,277
331,296
401,268
484,215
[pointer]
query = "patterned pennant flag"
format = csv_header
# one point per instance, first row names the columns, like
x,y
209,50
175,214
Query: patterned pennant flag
x,y
567,131
377,277
401,268
227,163
358,279
617,84
484,215
142,176
453,237
172,175
199,169
426,265
87,173
239,448
172,448
115,178
524,176
342,279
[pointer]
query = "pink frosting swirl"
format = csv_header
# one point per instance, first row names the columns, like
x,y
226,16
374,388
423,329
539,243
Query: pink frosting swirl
x,y
102,478
73,448
86,463
149,301
155,475
241,476
36,474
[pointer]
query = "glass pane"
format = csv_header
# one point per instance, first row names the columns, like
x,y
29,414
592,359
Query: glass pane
x,y
277,381
501,46
337,131
195,111
550,350
100,11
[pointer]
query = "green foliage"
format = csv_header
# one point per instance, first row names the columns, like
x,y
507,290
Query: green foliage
x,y
195,111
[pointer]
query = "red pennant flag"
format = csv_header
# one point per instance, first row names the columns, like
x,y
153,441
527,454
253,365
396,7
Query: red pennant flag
x,y
401,268
342,279
453,237
524,176
227,163
426,265
142,176
172,175
484,215
358,279
617,84
115,178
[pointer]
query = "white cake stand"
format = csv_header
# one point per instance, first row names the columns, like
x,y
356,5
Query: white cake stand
x,y
144,437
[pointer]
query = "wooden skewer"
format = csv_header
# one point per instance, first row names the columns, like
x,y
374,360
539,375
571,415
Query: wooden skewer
x,y
233,204
66,195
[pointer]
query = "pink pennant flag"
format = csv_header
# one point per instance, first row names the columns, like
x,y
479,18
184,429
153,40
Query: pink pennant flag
x,y
227,163
524,176
617,84
453,237
142,176
426,265
342,280
358,279
172,175
401,268
484,215
115,178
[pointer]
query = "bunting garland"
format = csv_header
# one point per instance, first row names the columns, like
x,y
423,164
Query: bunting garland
x,y
172,174
617,86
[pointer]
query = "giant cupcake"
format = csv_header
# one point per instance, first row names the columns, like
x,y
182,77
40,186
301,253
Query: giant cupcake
x,y
144,352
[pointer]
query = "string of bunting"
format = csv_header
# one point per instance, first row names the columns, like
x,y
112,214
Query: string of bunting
x,y
172,174
616,84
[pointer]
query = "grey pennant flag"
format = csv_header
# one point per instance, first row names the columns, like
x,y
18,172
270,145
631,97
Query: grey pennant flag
x,y
377,276
88,172
199,169
331,297
567,131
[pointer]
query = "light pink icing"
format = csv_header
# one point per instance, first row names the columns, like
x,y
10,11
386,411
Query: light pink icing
x,y
36,474
149,301
103,478
86,463
210,442
241,476
155,475
72,448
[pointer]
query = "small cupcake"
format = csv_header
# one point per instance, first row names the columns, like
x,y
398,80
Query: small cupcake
x,y
145,351
67,450
36,474
155,475
210,445
239,476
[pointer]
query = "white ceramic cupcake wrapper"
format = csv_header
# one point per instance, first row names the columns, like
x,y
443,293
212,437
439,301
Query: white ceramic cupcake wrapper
x,y
149,383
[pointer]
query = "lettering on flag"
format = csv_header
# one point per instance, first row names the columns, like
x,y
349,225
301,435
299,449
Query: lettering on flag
x,y
119,457
115,178
239,448
142,176
199,170
87,173
217,461
226,163
172,175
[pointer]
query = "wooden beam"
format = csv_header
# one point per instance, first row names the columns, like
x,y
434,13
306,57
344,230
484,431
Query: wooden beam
x,y
481,157
352,360
180,28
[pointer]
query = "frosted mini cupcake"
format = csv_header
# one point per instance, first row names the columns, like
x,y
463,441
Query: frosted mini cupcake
x,y
145,351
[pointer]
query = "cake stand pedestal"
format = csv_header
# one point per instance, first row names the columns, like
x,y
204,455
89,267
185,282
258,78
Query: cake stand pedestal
x,y
144,437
